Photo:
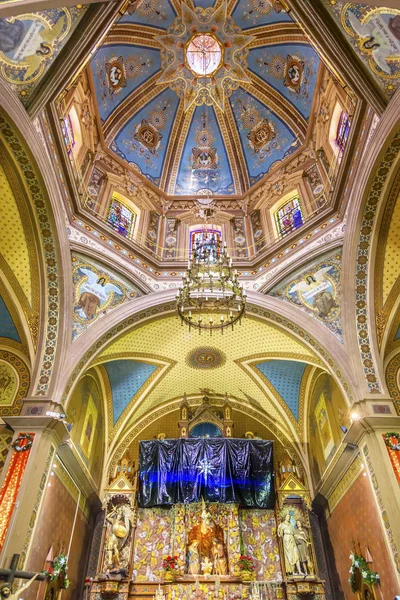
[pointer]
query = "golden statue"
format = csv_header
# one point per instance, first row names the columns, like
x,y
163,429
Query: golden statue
x,y
118,527
209,537
220,560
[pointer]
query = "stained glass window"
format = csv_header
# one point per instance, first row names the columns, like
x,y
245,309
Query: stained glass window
x,y
209,240
289,216
121,218
203,54
343,130
68,133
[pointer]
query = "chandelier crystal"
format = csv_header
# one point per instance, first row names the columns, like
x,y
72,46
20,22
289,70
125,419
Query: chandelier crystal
x,y
210,297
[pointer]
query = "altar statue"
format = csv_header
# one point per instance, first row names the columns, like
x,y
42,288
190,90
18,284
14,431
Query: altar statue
x,y
292,558
207,533
117,534
220,561
193,558
303,544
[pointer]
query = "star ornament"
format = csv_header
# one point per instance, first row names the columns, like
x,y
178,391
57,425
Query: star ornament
x,y
203,56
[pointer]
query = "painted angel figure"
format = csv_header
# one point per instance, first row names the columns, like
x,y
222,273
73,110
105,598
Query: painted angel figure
x,y
381,38
94,294
316,290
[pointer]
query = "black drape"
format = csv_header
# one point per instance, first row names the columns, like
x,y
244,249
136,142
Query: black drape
x,y
218,469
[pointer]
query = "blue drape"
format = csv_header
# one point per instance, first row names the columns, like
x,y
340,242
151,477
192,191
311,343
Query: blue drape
x,y
219,469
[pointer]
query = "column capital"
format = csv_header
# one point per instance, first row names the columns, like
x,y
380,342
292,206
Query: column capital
x,y
41,424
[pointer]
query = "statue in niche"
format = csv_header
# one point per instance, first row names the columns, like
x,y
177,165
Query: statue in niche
x,y
303,546
220,560
292,557
193,558
118,528
208,535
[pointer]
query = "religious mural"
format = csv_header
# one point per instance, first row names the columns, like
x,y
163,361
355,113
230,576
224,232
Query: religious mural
x,y
374,33
96,291
260,540
85,415
316,289
328,415
30,43
152,543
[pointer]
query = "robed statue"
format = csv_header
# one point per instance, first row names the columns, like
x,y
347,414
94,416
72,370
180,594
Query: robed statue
x,y
210,544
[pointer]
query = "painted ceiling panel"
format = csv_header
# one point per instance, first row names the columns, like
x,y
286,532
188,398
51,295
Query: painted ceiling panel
x,y
155,120
256,122
261,86
30,43
157,13
7,326
126,378
135,64
253,13
285,376
204,163
291,69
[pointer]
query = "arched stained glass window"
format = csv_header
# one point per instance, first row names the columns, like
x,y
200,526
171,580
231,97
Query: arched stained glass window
x,y
289,217
121,218
343,130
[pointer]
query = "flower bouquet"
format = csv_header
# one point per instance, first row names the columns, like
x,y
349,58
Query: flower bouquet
x,y
169,566
247,568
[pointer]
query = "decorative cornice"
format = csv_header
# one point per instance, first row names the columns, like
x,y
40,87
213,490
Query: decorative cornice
x,y
345,483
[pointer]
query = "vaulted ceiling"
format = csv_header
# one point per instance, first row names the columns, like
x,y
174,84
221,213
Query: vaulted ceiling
x,y
186,133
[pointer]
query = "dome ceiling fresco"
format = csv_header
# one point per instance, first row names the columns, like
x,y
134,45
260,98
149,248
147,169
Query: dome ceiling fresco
x,y
204,98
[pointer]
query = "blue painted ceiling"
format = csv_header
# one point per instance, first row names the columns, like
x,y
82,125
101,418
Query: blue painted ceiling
x,y
263,121
126,378
7,326
286,377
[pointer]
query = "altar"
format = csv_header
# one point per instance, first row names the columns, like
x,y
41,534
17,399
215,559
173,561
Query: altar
x,y
207,518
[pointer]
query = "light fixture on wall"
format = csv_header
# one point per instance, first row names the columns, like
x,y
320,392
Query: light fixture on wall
x,y
211,297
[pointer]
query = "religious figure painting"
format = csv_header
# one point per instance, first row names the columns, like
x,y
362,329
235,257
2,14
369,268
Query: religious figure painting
x,y
30,42
96,291
374,33
323,426
316,289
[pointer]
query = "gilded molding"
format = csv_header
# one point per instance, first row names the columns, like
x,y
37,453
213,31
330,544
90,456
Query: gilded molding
x,y
391,377
179,142
174,147
387,528
345,483
383,311
363,259
24,381
38,195
234,149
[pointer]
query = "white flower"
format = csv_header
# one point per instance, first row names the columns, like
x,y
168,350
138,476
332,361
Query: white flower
x,y
364,574
356,563
351,556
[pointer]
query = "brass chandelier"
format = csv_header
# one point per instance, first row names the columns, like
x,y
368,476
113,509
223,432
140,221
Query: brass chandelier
x,y
210,297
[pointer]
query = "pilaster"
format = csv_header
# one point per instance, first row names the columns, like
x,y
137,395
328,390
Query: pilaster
x,y
49,433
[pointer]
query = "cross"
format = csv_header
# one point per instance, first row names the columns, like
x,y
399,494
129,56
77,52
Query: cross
x,y
8,575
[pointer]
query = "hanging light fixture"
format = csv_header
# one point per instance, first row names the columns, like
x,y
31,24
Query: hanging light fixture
x,y
210,297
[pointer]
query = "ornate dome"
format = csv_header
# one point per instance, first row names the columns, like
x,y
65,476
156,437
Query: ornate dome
x,y
205,99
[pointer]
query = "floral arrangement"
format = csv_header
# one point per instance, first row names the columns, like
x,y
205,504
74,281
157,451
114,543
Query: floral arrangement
x,y
246,563
58,568
169,563
359,562
393,445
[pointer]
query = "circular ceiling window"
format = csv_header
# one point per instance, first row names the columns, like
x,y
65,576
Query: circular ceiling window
x,y
203,54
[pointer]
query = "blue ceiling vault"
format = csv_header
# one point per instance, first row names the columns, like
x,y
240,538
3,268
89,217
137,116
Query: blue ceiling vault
x,y
7,326
286,377
126,377
144,121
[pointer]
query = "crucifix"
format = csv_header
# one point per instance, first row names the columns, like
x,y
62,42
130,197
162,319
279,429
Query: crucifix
x,y
7,579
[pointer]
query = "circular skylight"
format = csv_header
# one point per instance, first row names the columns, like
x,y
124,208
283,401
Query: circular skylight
x,y
203,54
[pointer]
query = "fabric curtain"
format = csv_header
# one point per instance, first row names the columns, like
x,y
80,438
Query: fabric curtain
x,y
218,469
